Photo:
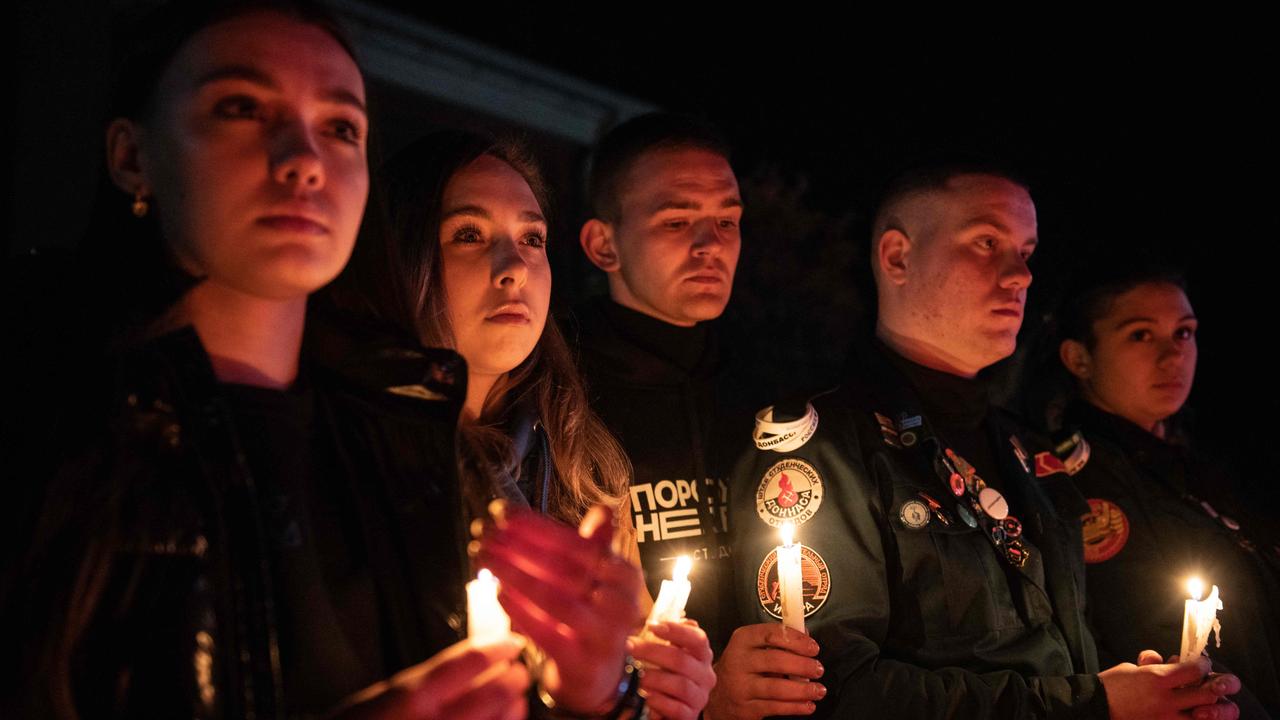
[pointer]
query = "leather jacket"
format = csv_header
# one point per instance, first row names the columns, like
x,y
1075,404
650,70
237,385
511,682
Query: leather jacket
x,y
149,593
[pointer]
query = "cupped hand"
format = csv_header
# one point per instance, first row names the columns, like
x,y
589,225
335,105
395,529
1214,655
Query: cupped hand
x,y
677,673
767,669
1152,689
572,595
462,682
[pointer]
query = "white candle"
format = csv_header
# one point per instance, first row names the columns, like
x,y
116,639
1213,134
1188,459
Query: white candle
x,y
1198,618
674,593
790,586
487,622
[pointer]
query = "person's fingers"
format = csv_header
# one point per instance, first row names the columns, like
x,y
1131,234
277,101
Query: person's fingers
x,y
488,699
666,706
769,708
1221,710
675,686
689,638
1150,657
572,571
780,636
671,658
1207,692
597,526
778,688
1183,673
451,672
772,660
528,618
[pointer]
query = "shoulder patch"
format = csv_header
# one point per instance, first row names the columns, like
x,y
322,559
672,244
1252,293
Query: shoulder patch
x,y
790,491
815,581
784,437
1106,530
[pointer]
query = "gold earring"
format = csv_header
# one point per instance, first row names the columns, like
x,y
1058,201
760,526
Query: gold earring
x,y
140,205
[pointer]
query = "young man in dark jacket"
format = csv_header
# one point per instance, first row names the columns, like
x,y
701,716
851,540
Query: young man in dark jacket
x,y
938,580
664,228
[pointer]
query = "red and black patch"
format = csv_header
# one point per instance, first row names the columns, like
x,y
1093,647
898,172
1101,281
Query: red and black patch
x,y
1106,530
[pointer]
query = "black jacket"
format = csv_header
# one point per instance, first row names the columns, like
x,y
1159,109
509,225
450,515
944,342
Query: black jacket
x,y
916,612
673,409
155,531
1157,516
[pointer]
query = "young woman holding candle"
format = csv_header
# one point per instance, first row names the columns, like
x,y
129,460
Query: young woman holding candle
x,y
1159,514
462,263
237,527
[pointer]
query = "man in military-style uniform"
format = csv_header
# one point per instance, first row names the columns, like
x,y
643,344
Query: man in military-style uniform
x,y
939,579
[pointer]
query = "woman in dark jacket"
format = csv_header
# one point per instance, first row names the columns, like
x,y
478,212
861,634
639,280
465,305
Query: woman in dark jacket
x,y
461,261
238,526
1160,514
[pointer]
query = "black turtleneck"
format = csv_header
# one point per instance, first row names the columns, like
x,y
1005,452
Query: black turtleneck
x,y
957,408
683,347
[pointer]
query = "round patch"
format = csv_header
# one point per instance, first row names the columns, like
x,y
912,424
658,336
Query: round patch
x,y
957,484
815,581
914,514
908,438
993,503
1106,530
790,491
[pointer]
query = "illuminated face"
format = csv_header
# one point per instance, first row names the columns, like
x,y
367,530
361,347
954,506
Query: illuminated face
x,y
678,239
497,278
256,155
1143,361
966,274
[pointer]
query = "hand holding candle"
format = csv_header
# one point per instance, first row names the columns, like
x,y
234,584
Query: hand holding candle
x,y
487,622
1198,618
790,584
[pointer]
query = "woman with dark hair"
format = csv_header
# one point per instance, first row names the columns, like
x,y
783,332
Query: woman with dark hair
x,y
239,527
1159,513
462,263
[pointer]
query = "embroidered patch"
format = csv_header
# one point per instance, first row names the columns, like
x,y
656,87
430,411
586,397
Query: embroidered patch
x,y
1047,464
815,581
791,490
1106,530
914,514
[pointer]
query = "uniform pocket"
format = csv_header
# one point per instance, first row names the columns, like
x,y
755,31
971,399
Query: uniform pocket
x,y
948,568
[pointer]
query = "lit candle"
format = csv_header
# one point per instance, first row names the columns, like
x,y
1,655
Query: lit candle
x,y
790,586
674,593
487,622
1198,618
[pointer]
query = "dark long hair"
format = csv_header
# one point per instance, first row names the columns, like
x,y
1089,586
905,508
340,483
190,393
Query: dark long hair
x,y
395,278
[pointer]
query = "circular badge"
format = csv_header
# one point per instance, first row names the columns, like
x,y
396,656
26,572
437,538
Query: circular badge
x,y
790,491
815,581
993,503
914,514
908,438
957,484
1012,527
1106,530
965,516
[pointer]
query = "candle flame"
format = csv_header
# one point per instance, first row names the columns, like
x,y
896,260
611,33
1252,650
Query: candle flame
x,y
684,564
788,532
1195,586
484,575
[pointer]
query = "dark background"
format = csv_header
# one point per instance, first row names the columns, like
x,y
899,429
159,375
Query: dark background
x,y
1152,137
